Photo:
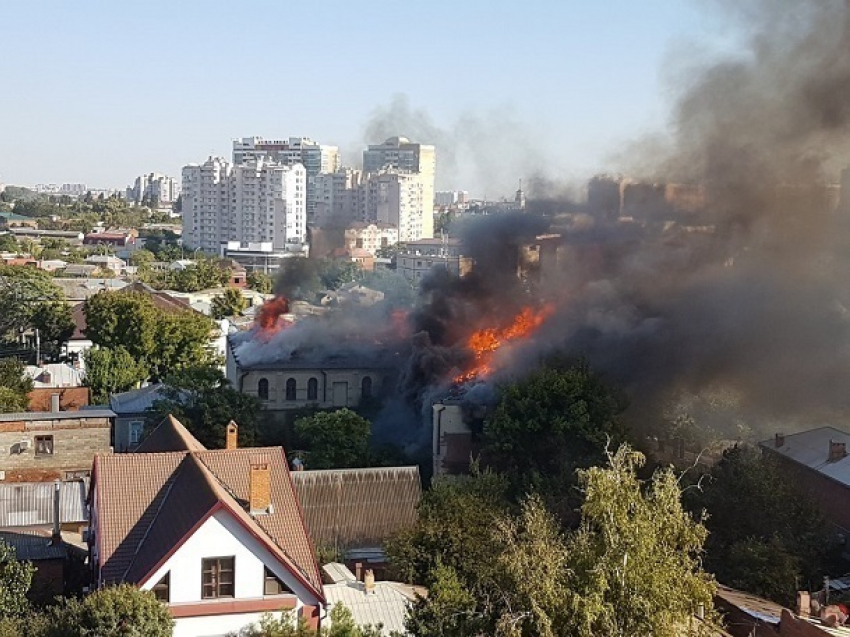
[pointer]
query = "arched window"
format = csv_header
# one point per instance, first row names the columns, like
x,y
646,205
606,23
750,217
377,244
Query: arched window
x,y
366,387
263,389
312,389
290,389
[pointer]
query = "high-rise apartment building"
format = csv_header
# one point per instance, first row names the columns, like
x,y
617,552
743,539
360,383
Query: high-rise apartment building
x,y
398,198
257,201
407,157
316,158
154,187
339,198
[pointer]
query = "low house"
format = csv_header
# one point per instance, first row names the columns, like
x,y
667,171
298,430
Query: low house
x,y
131,414
107,262
354,511
57,386
53,445
818,462
11,220
216,534
56,562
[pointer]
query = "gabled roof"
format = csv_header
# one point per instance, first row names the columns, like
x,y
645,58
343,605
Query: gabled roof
x,y
150,503
169,435
356,508
811,449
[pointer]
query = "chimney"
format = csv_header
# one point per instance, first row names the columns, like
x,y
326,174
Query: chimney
x,y
804,604
369,582
56,537
260,497
46,377
231,437
837,450
779,439
54,403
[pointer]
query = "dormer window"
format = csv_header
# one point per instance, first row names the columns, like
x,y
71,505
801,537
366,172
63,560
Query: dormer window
x,y
273,584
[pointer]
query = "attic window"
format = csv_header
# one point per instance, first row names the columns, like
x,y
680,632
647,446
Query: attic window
x,y
273,584
218,577
162,588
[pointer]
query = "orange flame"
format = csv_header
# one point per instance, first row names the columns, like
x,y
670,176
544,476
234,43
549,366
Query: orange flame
x,y
268,316
486,342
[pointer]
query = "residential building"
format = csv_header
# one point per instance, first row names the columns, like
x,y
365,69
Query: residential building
x,y
338,197
398,198
817,461
257,201
370,236
154,187
107,262
406,156
131,415
356,510
57,387
316,159
52,445
454,199
307,378
260,256
372,602
113,239
11,220
417,258
218,535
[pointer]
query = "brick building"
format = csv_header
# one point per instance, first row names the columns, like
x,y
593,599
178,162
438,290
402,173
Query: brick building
x,y
817,461
45,445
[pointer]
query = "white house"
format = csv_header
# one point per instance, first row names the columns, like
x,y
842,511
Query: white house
x,y
218,535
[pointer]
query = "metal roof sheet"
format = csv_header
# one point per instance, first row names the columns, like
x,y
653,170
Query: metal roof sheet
x,y
811,449
28,416
33,545
387,606
31,503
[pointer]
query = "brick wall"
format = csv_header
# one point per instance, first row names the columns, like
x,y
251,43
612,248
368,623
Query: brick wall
x,y
825,492
75,441
70,398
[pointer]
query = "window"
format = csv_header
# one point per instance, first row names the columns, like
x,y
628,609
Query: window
x,y
161,589
273,585
263,389
366,387
136,428
312,389
290,389
218,577
44,445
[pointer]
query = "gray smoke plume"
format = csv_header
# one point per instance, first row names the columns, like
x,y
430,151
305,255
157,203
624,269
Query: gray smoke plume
x,y
484,151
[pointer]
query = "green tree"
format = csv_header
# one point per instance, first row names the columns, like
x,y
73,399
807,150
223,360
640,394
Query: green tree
x,y
142,258
631,568
205,401
110,371
123,319
15,386
182,342
55,325
201,275
635,562
765,535
557,419
114,611
23,292
15,580
453,529
335,440
261,282
8,243
229,303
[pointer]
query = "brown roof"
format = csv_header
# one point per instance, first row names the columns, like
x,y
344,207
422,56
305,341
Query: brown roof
x,y
149,504
357,508
169,435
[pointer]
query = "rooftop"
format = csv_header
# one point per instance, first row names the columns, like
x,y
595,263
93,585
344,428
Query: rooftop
x,y
149,503
358,507
55,375
811,449
31,503
29,416
33,545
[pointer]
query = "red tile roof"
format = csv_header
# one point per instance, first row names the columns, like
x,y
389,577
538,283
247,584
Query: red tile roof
x,y
150,503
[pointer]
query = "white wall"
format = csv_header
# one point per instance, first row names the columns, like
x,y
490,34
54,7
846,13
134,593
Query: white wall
x,y
222,536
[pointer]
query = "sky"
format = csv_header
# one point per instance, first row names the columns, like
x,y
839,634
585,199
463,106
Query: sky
x,y
99,92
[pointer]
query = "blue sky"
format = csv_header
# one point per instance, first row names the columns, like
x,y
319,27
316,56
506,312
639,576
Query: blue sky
x,y
100,91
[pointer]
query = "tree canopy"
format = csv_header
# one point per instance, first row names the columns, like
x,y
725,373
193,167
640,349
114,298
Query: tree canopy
x,y
15,579
229,303
335,440
29,299
632,567
15,386
110,371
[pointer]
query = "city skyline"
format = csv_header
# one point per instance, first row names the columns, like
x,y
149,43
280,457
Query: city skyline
x,y
112,93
